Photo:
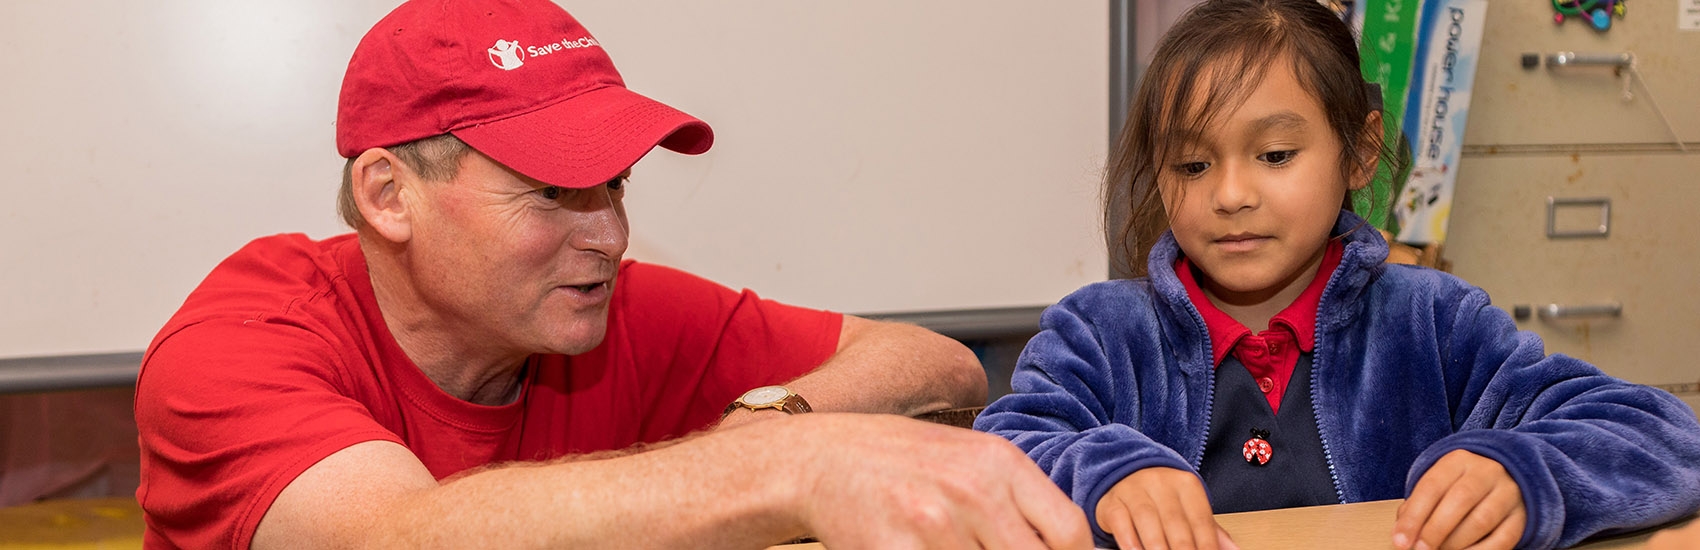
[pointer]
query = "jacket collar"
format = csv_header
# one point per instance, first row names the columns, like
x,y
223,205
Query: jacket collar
x,y
1361,263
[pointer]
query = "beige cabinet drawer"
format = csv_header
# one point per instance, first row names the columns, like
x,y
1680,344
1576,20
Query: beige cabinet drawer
x,y
1647,262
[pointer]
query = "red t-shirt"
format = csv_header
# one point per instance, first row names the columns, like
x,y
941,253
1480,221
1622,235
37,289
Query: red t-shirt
x,y
1271,355
281,358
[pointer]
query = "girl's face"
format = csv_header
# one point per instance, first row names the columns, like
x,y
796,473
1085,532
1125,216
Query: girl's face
x,y
1252,200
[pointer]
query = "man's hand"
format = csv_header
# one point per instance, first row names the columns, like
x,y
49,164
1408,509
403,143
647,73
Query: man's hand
x,y
1464,500
1161,508
887,482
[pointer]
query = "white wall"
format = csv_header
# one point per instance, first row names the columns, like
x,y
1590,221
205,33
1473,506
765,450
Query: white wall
x,y
871,155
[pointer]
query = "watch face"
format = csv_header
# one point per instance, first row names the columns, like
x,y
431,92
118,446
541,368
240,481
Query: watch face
x,y
764,395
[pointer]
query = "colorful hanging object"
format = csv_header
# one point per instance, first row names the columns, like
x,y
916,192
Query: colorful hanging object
x,y
1598,13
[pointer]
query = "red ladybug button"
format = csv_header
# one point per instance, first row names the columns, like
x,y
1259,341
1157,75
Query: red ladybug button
x,y
1256,450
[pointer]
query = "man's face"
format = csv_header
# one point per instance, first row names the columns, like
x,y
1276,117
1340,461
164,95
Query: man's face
x,y
515,264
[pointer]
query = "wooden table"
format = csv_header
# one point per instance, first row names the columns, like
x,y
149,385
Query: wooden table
x,y
1362,525
117,523
1365,525
73,524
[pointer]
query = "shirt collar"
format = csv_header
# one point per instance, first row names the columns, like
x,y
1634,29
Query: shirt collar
x,y
1298,318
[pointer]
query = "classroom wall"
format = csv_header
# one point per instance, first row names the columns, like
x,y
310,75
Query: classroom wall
x,y
871,155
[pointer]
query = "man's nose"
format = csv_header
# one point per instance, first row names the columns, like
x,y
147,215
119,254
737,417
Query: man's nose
x,y
601,225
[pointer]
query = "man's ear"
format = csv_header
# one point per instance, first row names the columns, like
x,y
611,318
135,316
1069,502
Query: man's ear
x,y
377,193
1368,153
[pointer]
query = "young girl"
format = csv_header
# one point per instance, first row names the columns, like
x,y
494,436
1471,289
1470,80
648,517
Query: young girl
x,y
1266,357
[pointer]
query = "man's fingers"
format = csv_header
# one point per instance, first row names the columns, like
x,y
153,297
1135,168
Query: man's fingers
x,y
1060,523
1008,526
1007,532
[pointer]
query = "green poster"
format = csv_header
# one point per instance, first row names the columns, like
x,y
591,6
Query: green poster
x,y
1388,49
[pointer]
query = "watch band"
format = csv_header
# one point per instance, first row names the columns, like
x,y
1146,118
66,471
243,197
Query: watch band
x,y
791,403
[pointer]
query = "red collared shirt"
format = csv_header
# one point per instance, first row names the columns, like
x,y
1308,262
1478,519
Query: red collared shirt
x,y
1270,355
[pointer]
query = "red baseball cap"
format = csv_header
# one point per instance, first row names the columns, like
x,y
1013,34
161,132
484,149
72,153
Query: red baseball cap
x,y
521,81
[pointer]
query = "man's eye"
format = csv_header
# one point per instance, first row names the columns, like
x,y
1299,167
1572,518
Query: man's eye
x,y
1277,157
550,192
616,184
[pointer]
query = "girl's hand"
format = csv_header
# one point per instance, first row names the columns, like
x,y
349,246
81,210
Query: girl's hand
x,y
1464,500
1676,539
1161,508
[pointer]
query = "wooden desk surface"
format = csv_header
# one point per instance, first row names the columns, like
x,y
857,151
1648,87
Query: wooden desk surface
x,y
1365,525
117,523
1361,525
73,524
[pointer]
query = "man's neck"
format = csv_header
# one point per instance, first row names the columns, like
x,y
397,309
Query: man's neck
x,y
453,357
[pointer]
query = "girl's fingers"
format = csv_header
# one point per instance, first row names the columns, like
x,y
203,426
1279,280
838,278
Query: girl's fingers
x,y
1460,499
1414,512
1177,528
1224,541
1499,498
1508,533
1195,505
1148,527
1474,526
1118,523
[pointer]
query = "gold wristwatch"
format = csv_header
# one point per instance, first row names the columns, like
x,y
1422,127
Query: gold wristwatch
x,y
778,398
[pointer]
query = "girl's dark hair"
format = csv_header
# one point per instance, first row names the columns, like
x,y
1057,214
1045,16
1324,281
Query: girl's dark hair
x,y
1228,46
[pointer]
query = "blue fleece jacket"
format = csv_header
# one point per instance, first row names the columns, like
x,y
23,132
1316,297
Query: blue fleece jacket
x,y
1410,363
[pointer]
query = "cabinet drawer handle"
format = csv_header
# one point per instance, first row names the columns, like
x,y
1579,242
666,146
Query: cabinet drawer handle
x,y
1560,311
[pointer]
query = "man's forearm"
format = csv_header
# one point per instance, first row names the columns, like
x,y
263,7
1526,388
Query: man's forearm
x,y
688,495
915,485
883,367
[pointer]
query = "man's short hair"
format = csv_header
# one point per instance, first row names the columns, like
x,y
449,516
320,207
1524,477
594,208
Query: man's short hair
x,y
435,158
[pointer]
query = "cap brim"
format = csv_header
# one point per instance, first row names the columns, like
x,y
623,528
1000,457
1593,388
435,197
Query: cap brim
x,y
588,139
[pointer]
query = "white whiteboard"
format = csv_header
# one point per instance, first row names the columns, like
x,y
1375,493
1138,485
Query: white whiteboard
x,y
870,155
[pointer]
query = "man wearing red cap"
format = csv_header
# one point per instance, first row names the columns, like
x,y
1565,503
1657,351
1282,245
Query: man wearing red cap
x,y
444,376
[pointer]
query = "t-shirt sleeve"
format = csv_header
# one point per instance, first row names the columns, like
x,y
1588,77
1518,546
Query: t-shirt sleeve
x,y
224,427
712,343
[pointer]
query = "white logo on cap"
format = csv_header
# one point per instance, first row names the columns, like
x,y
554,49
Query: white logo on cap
x,y
506,55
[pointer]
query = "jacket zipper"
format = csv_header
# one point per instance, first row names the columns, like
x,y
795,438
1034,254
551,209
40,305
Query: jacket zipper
x,y
1316,368
1316,413
1209,393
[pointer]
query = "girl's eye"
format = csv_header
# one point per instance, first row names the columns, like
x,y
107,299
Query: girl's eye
x,y
1277,158
1192,168
550,192
616,184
